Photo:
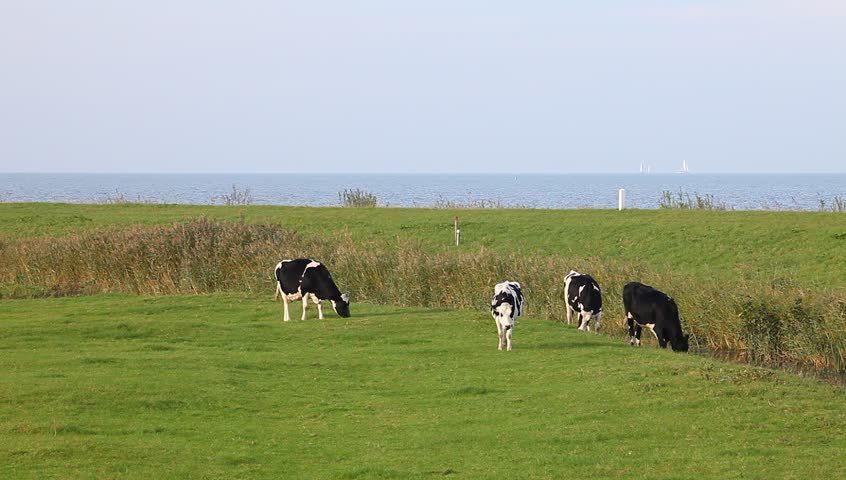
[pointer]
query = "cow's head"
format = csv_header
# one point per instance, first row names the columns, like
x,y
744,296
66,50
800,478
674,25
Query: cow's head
x,y
681,344
342,305
503,310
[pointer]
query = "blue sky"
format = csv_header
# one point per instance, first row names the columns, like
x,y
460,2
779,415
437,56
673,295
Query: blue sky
x,y
422,86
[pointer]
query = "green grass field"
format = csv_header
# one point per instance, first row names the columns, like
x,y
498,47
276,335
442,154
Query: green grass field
x,y
806,247
216,386
113,386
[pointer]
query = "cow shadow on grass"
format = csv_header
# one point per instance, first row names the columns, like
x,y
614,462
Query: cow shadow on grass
x,y
564,345
400,312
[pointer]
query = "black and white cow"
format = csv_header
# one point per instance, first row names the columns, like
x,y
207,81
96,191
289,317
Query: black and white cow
x,y
506,306
584,298
306,279
648,307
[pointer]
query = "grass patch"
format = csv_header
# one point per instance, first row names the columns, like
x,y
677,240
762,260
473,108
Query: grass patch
x,y
366,397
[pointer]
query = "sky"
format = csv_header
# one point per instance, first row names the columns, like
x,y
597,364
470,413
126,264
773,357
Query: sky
x,y
422,86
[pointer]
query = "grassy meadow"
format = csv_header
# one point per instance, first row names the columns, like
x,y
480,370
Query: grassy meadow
x,y
216,386
767,286
141,341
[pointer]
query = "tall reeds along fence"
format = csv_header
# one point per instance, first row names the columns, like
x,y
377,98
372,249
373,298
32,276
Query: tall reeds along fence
x,y
774,322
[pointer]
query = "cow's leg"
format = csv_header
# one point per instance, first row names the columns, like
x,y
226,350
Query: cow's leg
x,y
638,330
305,305
584,321
508,330
569,313
631,324
286,316
499,333
660,336
319,307
278,292
596,320
654,332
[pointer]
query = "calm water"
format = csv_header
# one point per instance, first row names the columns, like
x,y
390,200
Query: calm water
x,y
537,191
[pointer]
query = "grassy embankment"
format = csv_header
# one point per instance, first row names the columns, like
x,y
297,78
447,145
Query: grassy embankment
x,y
801,247
216,386
767,284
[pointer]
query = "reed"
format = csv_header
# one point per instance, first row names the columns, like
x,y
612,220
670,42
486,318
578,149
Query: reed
x,y
480,203
837,204
685,201
357,198
773,322
236,196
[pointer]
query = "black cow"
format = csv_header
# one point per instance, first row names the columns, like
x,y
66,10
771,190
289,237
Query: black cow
x,y
306,279
506,306
648,307
583,297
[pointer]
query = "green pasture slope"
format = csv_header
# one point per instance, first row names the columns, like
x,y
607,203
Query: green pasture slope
x,y
807,247
217,386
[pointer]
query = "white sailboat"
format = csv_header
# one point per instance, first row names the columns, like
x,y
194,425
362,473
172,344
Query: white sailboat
x,y
684,168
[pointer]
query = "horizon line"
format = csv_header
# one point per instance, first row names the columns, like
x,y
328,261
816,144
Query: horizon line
x,y
674,173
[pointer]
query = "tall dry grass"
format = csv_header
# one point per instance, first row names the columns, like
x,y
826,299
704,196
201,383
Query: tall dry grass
x,y
771,322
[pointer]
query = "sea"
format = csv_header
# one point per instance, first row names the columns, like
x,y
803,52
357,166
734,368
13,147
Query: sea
x,y
738,191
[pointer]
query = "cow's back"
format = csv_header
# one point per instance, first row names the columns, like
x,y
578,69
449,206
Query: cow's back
x,y
648,305
289,273
580,290
318,280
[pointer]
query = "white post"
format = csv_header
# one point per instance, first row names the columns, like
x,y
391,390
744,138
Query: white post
x,y
457,232
621,199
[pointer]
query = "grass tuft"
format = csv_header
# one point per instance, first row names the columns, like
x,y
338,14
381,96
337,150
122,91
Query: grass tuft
x,y
682,200
357,198
236,196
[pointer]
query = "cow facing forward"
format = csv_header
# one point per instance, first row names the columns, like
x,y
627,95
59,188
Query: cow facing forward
x,y
583,298
648,307
506,306
306,279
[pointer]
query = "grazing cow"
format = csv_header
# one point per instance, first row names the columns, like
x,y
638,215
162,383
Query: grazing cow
x,y
506,306
583,297
306,279
648,307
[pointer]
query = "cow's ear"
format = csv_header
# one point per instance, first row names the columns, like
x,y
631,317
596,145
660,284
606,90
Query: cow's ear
x,y
345,297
